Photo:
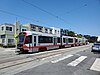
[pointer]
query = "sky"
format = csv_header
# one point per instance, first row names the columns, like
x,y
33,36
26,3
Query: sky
x,y
80,16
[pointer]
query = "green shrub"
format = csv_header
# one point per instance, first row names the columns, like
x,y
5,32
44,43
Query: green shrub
x,y
1,45
9,46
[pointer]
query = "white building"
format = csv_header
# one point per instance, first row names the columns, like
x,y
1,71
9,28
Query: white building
x,y
98,38
56,31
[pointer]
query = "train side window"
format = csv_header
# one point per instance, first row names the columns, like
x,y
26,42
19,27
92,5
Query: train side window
x,y
70,40
76,40
64,40
45,39
58,40
34,38
28,39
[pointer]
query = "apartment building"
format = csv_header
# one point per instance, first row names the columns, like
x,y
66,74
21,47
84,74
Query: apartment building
x,y
56,31
98,39
38,28
8,32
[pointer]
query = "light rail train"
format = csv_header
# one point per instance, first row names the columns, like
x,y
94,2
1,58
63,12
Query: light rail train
x,y
31,41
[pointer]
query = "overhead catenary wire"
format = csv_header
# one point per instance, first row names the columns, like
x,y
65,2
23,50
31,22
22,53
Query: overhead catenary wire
x,y
3,11
56,16
30,19
52,14
76,9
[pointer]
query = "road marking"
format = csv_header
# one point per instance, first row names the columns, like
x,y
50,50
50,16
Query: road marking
x,y
96,65
78,54
60,59
77,61
51,57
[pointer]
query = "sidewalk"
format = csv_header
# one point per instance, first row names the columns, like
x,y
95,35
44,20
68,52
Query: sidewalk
x,y
7,49
6,52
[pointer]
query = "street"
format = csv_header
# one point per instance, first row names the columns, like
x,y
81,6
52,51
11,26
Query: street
x,y
67,61
50,37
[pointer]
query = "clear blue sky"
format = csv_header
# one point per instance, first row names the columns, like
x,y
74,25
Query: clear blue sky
x,y
81,16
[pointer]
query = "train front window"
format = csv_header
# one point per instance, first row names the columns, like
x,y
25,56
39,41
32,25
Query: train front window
x,y
28,39
21,38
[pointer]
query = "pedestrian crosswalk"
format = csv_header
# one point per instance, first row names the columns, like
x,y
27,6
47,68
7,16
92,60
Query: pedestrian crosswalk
x,y
77,61
60,59
95,65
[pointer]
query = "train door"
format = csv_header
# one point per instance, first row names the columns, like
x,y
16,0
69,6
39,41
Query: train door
x,y
35,40
34,43
55,40
66,40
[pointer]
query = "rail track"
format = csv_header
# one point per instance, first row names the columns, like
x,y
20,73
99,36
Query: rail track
x,y
36,56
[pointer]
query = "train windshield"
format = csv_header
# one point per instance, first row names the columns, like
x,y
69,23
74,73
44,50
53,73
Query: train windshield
x,y
21,38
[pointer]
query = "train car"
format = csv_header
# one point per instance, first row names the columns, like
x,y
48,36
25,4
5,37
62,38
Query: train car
x,y
76,41
84,41
30,41
68,41
81,41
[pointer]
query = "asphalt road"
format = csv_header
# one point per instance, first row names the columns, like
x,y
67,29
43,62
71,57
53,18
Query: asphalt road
x,y
75,61
61,66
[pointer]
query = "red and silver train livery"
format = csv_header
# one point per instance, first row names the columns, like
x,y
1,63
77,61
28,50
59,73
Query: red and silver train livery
x,y
31,41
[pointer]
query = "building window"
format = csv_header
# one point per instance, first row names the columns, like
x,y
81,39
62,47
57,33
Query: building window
x,y
55,31
3,40
33,28
3,36
40,29
46,30
24,29
2,28
10,41
58,32
50,31
9,28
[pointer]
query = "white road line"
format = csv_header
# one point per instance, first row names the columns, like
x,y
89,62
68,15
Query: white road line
x,y
77,61
60,59
96,65
51,57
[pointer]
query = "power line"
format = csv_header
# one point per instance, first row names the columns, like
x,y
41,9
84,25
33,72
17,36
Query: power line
x,y
10,13
56,16
44,11
14,14
76,9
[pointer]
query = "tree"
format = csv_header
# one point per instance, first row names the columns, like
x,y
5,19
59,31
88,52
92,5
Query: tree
x,y
93,39
87,37
71,33
79,35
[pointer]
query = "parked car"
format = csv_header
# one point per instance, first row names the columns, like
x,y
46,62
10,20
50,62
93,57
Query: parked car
x,y
96,47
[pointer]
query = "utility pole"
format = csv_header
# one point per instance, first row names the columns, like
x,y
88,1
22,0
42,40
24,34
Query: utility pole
x,y
61,33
